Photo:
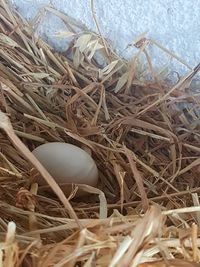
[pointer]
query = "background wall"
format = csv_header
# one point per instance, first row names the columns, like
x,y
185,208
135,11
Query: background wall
x,y
175,24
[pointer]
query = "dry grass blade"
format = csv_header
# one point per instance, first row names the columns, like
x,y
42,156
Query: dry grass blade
x,y
185,79
170,263
97,25
139,180
10,248
145,229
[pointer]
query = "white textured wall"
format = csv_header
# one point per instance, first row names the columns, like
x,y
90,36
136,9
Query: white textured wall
x,y
173,23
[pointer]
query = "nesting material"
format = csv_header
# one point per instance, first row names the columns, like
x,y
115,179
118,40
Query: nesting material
x,y
145,211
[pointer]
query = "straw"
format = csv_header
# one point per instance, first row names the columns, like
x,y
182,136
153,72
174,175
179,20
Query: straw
x,y
142,132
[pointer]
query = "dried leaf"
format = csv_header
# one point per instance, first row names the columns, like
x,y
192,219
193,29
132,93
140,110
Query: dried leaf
x,y
8,41
64,34
82,42
121,82
108,68
39,75
93,47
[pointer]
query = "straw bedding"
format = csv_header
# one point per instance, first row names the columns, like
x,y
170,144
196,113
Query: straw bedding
x,y
145,211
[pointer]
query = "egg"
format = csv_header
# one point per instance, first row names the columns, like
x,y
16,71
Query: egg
x,y
67,164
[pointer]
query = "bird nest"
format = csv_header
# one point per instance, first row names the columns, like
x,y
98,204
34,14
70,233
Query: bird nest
x,y
141,130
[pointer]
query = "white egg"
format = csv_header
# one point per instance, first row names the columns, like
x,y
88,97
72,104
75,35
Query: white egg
x,y
67,163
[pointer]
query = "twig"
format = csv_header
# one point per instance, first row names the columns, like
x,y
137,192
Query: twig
x,y
98,28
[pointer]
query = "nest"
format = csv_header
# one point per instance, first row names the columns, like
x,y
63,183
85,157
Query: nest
x,y
145,211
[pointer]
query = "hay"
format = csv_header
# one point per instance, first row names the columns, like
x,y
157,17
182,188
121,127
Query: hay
x,y
145,211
